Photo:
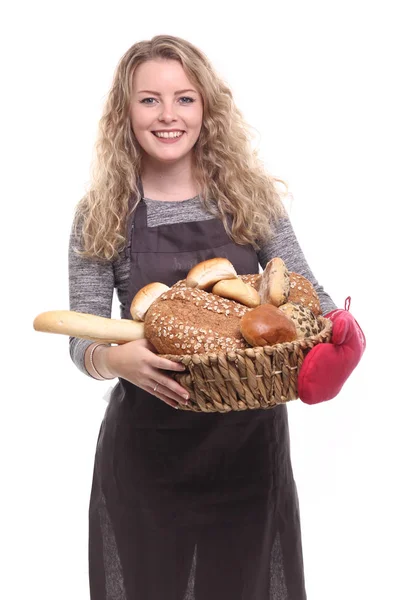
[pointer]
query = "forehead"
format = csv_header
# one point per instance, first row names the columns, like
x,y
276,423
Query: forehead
x,y
161,75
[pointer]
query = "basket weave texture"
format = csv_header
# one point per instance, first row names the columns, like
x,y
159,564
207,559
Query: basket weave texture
x,y
252,378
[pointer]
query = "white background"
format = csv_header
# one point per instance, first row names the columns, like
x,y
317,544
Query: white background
x,y
318,81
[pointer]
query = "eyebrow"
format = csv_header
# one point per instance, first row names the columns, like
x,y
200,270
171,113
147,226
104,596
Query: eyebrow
x,y
158,93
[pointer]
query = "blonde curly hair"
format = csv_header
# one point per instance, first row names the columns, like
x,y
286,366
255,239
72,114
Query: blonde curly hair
x,y
234,184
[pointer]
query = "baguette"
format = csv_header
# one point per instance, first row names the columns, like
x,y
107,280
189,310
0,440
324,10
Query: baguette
x,y
89,327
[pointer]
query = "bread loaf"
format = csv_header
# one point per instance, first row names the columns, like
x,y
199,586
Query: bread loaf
x,y
264,326
184,320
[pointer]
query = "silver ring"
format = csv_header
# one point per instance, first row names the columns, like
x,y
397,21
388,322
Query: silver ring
x,y
155,387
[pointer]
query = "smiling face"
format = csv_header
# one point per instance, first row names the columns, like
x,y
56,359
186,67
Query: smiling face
x,y
166,111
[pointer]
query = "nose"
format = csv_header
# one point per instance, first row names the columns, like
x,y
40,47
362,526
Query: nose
x,y
167,112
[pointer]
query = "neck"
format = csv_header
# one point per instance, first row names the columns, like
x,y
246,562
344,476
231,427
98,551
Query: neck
x,y
163,181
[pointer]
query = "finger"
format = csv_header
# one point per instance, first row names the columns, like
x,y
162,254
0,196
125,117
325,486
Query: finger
x,y
167,365
170,402
162,397
178,396
175,390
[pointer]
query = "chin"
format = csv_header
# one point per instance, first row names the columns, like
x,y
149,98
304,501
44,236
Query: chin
x,y
169,157
175,158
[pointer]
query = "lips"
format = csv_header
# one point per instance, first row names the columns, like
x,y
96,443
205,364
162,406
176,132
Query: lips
x,y
168,134
168,131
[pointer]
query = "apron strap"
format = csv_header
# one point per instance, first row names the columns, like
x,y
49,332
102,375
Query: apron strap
x,y
140,214
137,219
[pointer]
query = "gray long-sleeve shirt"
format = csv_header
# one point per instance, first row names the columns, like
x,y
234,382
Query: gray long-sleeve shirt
x,y
92,281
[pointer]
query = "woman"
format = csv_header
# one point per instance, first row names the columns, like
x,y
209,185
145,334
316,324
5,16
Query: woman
x,y
183,506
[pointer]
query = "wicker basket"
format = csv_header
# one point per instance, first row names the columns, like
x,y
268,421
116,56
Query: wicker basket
x,y
259,377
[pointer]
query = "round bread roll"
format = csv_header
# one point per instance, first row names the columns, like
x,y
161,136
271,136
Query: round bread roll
x,y
302,292
264,326
184,320
274,283
145,298
205,274
236,289
305,321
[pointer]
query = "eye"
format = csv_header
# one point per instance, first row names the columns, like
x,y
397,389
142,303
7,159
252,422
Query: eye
x,y
187,99
145,101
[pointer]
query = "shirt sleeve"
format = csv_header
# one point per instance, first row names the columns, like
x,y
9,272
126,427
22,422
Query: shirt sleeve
x,y
91,288
284,244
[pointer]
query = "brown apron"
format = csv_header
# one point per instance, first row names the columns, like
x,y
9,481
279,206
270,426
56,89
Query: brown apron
x,y
188,506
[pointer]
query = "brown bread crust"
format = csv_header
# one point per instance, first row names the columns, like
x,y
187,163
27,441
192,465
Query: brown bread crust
x,y
184,320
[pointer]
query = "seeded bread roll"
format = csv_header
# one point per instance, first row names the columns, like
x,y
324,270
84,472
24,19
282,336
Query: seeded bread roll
x,y
236,289
305,321
205,274
274,283
184,320
144,298
302,292
264,326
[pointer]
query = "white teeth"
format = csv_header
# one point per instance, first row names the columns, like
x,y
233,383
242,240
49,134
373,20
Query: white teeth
x,y
166,134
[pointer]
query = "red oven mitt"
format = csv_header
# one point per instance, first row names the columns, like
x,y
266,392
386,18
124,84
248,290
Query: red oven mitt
x,y
327,366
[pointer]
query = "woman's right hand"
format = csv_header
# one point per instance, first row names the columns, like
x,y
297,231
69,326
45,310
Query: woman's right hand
x,y
139,363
